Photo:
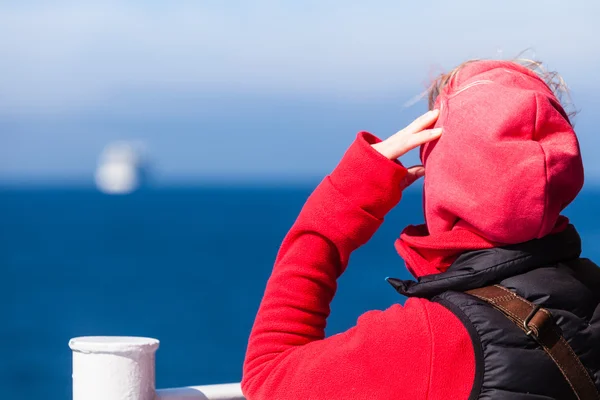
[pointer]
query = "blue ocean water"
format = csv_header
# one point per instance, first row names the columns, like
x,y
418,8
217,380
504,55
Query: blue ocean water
x,y
186,266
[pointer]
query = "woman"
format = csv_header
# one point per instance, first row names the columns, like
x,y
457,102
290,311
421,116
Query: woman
x,y
501,161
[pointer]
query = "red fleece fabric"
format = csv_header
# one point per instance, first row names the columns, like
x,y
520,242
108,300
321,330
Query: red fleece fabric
x,y
416,351
505,167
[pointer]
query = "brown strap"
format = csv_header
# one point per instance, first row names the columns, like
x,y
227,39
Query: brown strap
x,y
538,323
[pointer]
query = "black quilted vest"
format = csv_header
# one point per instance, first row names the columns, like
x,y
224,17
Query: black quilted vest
x,y
509,364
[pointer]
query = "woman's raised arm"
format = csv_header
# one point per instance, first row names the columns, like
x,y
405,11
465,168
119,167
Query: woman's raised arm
x,y
342,214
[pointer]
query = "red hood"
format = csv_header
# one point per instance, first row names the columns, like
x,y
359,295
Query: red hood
x,y
507,164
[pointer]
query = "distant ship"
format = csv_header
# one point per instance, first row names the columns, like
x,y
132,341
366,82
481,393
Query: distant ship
x,y
122,168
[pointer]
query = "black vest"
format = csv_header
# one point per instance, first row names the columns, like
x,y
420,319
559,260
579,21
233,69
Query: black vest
x,y
509,364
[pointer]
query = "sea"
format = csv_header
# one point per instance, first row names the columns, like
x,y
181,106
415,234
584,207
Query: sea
x,y
185,265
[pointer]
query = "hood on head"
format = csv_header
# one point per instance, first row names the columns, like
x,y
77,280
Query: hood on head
x,y
508,161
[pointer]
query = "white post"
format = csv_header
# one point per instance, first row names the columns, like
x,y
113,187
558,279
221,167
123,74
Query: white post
x,y
115,368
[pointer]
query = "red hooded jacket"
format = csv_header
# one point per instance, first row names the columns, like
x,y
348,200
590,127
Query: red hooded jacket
x,y
502,125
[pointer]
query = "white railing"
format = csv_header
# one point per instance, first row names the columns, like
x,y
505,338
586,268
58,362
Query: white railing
x,y
123,368
228,391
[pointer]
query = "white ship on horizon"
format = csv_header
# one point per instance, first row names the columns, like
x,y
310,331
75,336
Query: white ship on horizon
x,y
122,167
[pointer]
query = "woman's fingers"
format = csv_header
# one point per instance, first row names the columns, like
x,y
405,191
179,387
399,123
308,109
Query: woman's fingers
x,y
401,143
412,175
416,139
414,135
424,121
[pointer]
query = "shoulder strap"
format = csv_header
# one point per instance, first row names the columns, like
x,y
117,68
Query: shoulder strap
x,y
538,323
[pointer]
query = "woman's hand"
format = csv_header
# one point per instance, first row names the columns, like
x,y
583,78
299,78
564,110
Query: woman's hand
x,y
413,136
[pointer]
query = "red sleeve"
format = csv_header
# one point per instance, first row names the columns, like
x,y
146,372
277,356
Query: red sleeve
x,y
288,356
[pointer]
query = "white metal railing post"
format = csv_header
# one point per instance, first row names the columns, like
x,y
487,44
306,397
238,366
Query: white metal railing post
x,y
227,391
115,368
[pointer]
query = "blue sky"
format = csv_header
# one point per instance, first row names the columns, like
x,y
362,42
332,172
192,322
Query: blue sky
x,y
254,90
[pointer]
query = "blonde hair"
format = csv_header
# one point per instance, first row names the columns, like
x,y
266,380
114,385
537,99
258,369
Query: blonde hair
x,y
553,80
